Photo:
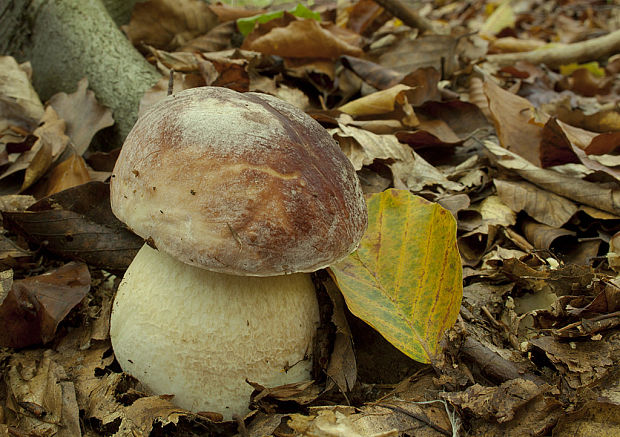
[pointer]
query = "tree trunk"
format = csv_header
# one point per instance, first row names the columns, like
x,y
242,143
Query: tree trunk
x,y
66,40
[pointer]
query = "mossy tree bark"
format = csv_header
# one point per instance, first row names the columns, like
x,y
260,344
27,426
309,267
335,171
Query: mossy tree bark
x,y
66,40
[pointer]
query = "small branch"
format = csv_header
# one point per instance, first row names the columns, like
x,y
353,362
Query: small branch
x,y
492,364
555,56
406,15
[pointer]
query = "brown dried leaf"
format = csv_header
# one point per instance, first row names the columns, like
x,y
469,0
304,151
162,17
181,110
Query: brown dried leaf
x,y
83,115
35,306
230,13
373,74
499,402
366,16
41,399
588,193
10,250
19,102
69,173
342,369
78,223
50,144
408,168
216,39
300,392
303,38
594,418
543,236
168,24
541,205
579,363
437,51
513,117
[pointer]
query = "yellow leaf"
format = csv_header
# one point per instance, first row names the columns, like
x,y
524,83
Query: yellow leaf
x,y
379,102
501,18
593,67
405,279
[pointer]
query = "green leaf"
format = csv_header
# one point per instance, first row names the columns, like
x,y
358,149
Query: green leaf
x,y
405,279
246,25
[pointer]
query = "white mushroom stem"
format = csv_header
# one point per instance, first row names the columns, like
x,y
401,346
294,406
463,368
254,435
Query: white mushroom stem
x,y
198,335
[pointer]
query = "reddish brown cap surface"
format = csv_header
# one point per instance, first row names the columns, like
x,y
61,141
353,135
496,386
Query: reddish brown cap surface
x,y
244,184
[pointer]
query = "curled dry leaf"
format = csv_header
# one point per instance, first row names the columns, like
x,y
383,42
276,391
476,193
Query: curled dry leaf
x,y
33,308
19,102
83,115
51,142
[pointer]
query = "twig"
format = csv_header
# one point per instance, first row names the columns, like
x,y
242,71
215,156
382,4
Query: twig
x,y
493,364
555,56
406,15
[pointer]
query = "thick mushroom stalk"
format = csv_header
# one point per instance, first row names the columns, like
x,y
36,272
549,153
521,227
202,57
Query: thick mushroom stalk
x,y
199,335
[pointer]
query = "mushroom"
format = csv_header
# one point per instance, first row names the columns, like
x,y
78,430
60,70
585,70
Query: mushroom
x,y
238,197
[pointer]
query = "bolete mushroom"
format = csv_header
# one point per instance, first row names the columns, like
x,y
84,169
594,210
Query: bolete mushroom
x,y
235,194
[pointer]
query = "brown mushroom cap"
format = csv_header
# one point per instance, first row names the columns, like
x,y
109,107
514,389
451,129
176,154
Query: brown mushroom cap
x,y
244,184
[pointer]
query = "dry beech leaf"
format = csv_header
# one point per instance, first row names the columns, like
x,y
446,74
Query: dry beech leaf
x,y
343,421
513,117
366,16
342,369
578,362
11,251
543,236
69,173
588,193
408,168
597,417
41,398
499,403
373,74
19,102
303,38
377,103
230,13
51,142
168,24
541,205
216,39
299,392
405,279
35,306
78,224
83,115
437,51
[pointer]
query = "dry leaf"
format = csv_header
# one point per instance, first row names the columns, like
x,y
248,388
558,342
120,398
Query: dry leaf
x,y
168,24
34,306
19,102
78,224
69,173
302,38
83,115
541,205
